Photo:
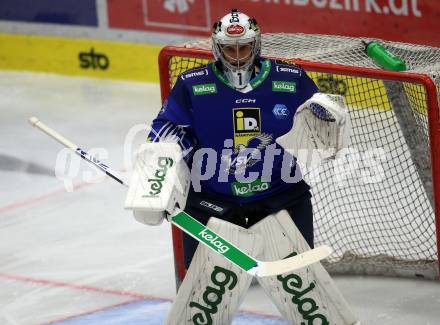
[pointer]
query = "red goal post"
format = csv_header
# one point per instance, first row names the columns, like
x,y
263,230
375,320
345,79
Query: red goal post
x,y
358,80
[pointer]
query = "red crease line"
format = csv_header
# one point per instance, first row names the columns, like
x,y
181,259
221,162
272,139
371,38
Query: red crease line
x,y
38,199
54,283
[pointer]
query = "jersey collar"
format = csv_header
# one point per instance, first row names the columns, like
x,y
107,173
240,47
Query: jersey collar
x,y
254,83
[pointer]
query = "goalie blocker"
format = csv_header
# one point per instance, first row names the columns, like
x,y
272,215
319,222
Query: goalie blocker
x,y
160,182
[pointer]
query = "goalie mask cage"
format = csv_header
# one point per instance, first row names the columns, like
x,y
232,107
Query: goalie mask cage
x,y
384,226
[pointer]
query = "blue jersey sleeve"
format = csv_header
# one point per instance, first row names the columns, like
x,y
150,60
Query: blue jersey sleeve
x,y
308,87
174,121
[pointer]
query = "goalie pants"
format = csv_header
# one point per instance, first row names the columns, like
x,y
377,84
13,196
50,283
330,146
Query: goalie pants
x,y
204,205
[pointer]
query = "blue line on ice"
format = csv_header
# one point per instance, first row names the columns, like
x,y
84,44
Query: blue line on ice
x,y
152,312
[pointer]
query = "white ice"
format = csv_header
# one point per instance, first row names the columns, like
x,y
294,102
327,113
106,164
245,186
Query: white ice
x,y
64,253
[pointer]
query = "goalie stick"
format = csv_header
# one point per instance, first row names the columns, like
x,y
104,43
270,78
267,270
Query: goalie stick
x,y
201,233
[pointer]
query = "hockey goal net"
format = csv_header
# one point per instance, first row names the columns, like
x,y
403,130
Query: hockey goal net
x,y
380,216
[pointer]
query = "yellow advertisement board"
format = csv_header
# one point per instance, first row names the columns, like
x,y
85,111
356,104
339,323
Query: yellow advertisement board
x,y
82,57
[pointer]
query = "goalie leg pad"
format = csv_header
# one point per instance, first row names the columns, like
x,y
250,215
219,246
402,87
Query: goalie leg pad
x,y
306,296
213,287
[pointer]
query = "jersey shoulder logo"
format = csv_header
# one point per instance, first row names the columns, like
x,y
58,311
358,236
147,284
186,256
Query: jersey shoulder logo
x,y
204,89
289,67
284,86
199,72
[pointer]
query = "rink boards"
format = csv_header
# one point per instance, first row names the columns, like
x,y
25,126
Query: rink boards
x,y
79,57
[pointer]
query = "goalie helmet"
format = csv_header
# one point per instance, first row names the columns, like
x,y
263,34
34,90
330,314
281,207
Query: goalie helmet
x,y
236,44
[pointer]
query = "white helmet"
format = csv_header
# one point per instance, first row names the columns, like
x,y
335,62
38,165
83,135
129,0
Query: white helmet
x,y
239,34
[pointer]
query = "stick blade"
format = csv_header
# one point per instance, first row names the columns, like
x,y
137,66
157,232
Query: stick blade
x,y
292,263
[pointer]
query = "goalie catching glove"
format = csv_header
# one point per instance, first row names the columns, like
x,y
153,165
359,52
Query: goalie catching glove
x,y
322,124
159,183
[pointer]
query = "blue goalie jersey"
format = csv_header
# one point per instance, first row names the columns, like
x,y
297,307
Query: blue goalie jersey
x,y
229,136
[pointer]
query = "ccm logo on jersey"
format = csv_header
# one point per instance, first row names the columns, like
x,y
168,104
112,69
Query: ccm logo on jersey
x,y
245,100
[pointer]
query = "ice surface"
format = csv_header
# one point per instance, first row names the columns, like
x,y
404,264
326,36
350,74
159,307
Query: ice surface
x,y
78,257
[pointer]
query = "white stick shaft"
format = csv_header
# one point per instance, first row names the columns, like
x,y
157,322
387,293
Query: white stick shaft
x,y
70,145
52,133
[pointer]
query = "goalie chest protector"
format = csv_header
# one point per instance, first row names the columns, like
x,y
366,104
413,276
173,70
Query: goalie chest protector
x,y
203,102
